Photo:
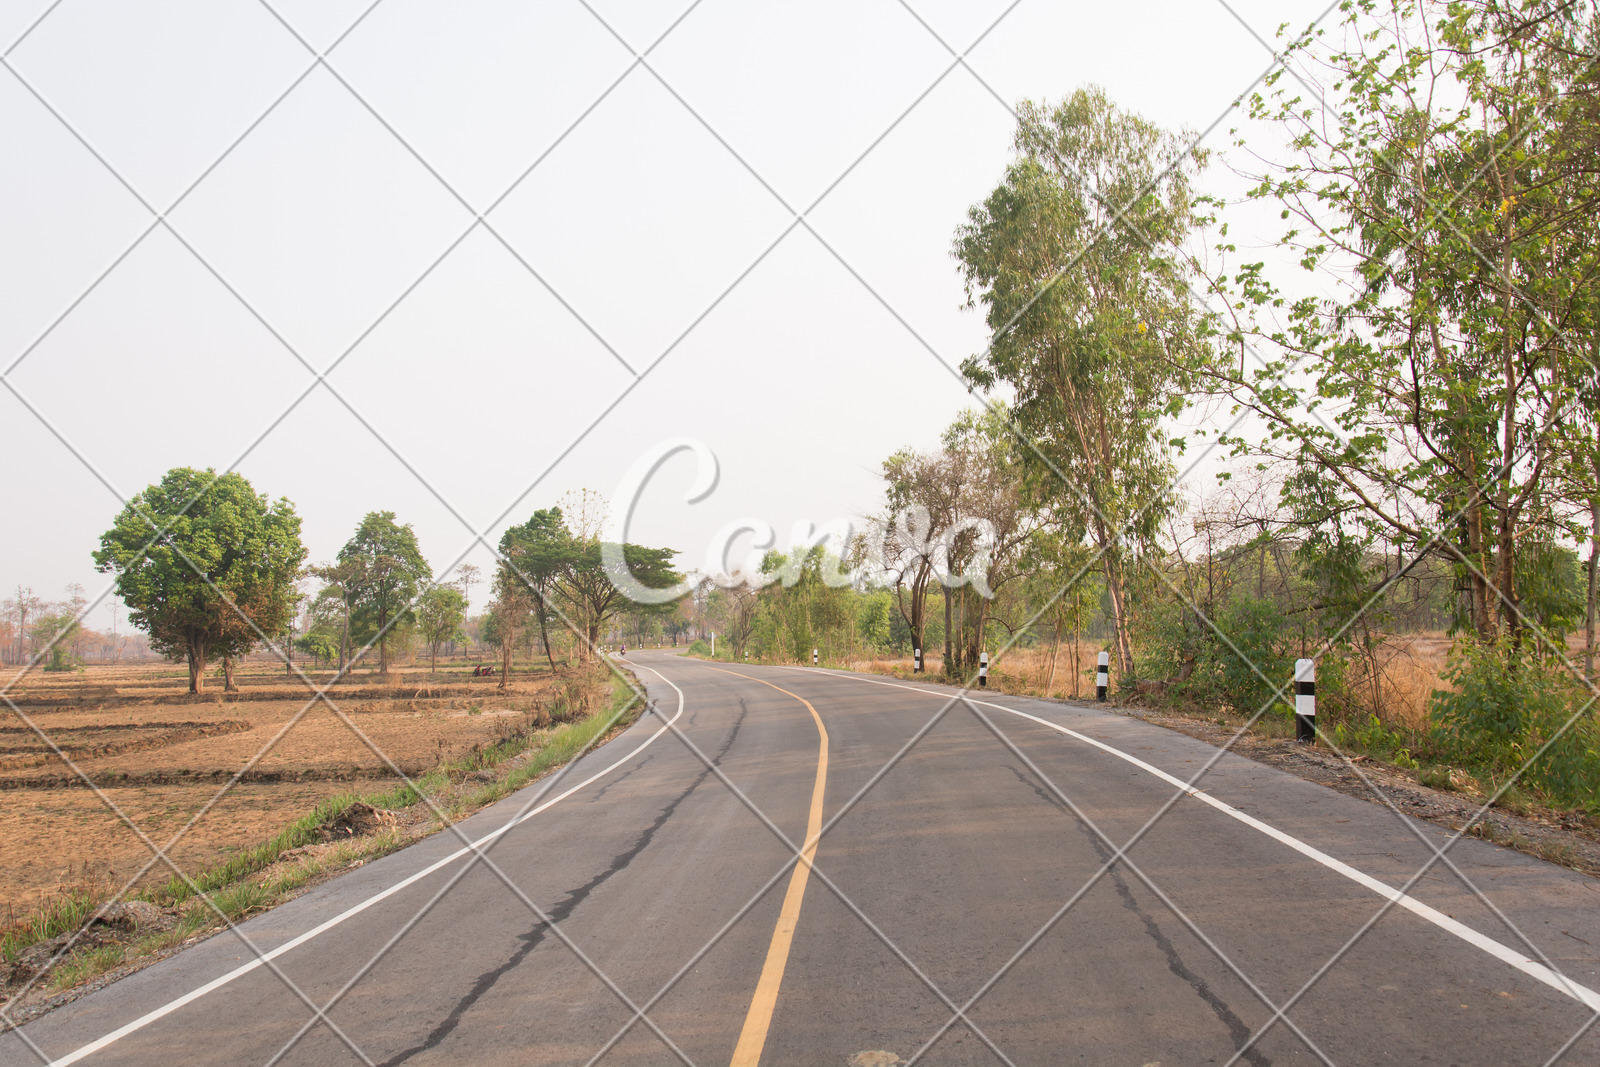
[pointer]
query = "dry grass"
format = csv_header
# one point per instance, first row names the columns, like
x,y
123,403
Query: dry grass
x,y
161,756
1408,670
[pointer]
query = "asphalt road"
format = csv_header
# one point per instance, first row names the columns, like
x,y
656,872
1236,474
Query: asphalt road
x,y
972,874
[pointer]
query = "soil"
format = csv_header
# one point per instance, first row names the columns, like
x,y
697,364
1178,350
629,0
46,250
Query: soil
x,y
1571,839
129,739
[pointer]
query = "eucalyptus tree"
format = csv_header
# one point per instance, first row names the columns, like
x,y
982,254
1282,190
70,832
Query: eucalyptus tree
x,y
386,572
204,564
1078,260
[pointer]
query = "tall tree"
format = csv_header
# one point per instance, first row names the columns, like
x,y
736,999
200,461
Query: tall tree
x,y
184,548
336,578
1453,180
592,597
1077,261
24,605
537,553
387,572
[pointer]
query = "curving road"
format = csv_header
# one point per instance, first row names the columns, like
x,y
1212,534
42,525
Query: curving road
x,y
647,906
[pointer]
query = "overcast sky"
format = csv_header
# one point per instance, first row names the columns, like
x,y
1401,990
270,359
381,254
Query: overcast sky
x,y
647,278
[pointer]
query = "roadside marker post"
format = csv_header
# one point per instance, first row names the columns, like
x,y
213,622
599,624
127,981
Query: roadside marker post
x,y
1305,701
1102,677
813,657
983,669
917,663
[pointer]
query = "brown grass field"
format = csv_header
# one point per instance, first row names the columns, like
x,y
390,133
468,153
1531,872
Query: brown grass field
x,y
1408,670
161,756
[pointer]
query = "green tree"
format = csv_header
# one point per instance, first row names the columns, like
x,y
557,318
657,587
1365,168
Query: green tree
x,y
1076,260
386,572
593,599
538,553
1452,181
440,612
193,524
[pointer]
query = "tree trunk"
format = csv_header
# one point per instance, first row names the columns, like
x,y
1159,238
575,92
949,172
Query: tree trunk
x,y
344,638
947,667
1119,614
508,640
383,643
227,674
197,666
1055,650
1594,565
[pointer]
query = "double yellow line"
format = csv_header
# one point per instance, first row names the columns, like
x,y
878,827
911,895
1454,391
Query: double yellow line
x,y
759,1018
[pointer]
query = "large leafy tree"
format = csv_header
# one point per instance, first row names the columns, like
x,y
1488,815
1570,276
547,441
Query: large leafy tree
x,y
386,571
593,599
535,555
204,564
1077,260
1453,181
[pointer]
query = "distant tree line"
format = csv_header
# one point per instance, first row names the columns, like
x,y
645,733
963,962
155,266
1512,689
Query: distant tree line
x,y
211,570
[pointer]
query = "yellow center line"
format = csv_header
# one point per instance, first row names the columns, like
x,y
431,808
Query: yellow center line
x,y
754,1035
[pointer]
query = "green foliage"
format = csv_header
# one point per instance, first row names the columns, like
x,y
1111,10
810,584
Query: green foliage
x,y
320,645
1236,665
1074,260
700,648
193,524
440,612
1508,708
59,627
385,571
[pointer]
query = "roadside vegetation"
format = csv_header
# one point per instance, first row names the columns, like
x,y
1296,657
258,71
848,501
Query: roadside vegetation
x,y
1417,507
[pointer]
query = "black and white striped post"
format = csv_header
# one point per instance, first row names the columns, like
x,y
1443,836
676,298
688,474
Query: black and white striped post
x,y
916,664
1102,677
983,669
1305,701
813,657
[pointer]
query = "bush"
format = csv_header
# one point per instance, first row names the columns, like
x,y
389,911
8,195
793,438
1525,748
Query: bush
x,y
1206,669
1507,707
700,648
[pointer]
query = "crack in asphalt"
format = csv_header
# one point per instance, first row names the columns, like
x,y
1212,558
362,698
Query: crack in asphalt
x,y
559,912
1237,1028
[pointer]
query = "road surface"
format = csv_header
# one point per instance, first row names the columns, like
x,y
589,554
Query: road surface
x,y
961,909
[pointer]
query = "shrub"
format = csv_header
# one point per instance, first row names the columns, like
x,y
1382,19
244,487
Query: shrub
x,y
1238,668
699,648
1508,707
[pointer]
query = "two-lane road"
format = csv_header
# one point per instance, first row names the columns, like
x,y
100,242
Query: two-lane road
x,y
979,863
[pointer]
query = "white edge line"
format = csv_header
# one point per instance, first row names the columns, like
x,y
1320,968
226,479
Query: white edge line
x,y
316,931
1527,965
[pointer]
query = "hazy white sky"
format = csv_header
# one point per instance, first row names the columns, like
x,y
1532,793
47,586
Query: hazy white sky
x,y
648,278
